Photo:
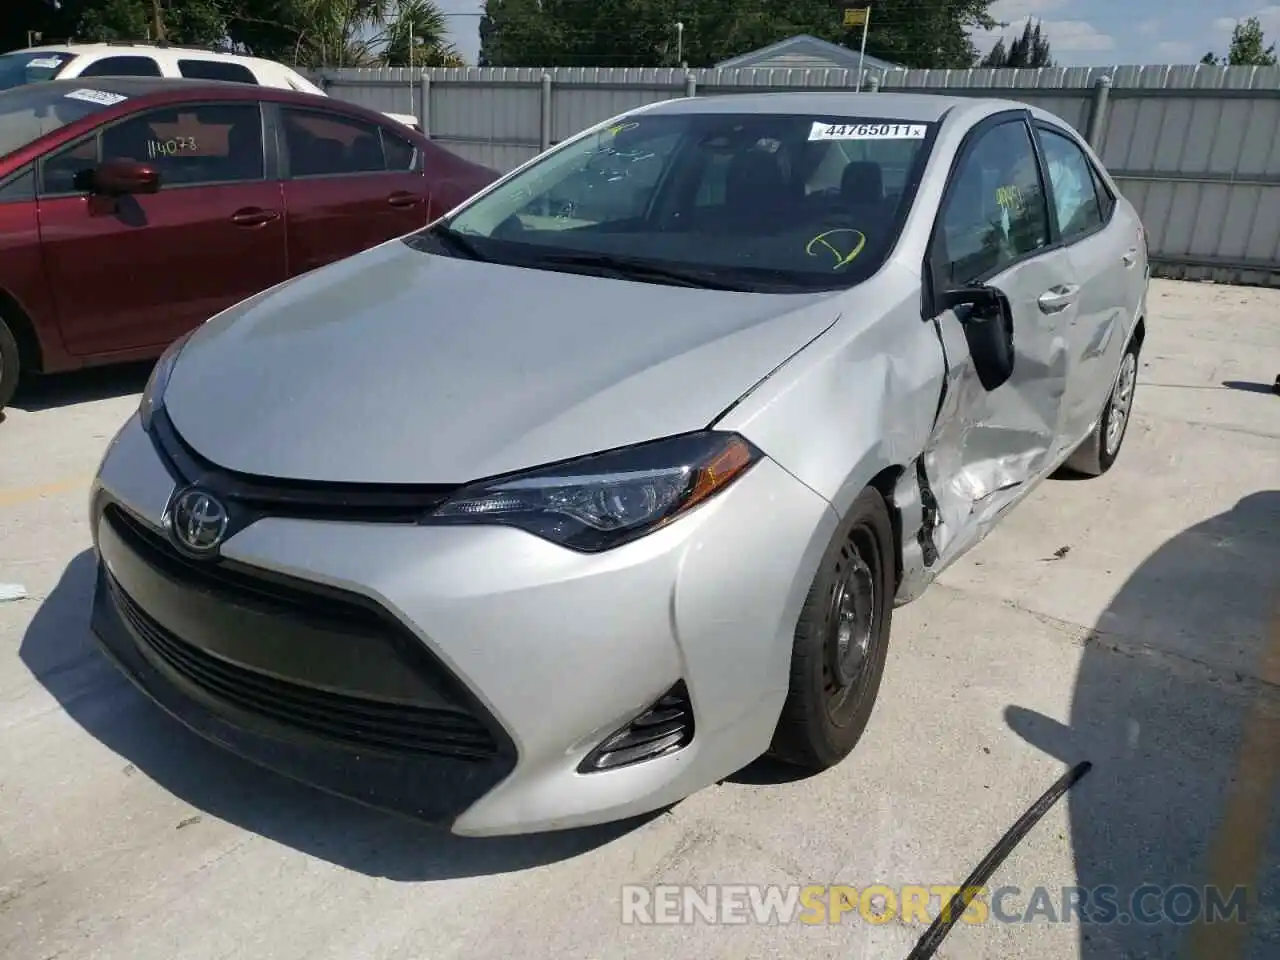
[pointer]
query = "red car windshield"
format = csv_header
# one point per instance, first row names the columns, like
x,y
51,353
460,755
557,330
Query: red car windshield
x,y
31,66
27,113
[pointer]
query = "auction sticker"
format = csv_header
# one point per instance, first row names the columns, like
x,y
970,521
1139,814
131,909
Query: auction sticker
x,y
44,63
97,96
867,131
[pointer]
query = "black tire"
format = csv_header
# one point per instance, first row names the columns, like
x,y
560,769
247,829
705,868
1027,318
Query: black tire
x,y
830,700
10,367
1100,449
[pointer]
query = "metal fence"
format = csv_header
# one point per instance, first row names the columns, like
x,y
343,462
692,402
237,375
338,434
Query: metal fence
x,y
1196,149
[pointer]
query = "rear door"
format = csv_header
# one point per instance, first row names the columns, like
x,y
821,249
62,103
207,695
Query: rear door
x,y
139,271
1103,249
994,228
349,185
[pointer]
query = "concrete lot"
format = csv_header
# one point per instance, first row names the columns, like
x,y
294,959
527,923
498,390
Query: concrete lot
x,y
1149,647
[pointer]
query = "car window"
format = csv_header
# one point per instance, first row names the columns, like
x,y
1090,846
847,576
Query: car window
x,y
122,67
216,70
20,188
995,209
1106,199
400,153
1074,192
31,66
58,170
205,143
738,197
323,144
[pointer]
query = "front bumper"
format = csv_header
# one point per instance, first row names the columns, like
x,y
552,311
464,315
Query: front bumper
x,y
460,675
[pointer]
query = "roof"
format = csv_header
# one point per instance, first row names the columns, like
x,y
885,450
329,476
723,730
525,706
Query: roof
x,y
806,52
126,49
910,107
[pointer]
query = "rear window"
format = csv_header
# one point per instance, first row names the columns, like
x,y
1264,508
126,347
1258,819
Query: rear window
x,y
216,70
31,66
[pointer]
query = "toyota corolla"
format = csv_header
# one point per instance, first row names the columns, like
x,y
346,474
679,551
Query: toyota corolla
x,y
608,482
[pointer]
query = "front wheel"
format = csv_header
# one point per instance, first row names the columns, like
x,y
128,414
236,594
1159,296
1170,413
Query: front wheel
x,y
840,643
1100,449
9,365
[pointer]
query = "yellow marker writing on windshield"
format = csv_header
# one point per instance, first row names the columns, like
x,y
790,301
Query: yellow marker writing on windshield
x,y
621,127
842,259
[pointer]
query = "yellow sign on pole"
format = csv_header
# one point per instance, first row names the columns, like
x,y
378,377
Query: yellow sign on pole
x,y
856,18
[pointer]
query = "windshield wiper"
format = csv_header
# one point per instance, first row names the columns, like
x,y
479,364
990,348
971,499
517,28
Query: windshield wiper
x,y
457,242
638,270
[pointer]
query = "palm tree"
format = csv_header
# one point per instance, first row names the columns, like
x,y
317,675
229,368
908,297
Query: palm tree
x,y
415,33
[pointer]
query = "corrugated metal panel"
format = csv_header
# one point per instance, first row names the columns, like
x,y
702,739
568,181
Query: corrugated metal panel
x,y
1196,149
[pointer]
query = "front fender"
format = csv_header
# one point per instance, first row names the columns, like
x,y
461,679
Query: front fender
x,y
860,399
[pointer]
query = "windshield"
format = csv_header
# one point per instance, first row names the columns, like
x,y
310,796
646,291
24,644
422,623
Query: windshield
x,y
27,113
781,202
31,66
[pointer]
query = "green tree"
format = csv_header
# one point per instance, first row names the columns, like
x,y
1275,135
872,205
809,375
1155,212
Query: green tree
x,y
1031,49
642,33
1248,48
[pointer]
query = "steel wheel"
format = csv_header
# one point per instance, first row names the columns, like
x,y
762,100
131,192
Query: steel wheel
x,y
851,628
1121,403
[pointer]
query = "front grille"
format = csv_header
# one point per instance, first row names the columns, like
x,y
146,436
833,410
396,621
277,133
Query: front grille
x,y
355,721
460,729
664,728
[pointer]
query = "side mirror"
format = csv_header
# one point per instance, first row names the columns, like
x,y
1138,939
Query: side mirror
x,y
117,178
988,328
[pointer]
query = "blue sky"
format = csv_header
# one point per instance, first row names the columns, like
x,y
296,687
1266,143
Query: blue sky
x,y
1081,32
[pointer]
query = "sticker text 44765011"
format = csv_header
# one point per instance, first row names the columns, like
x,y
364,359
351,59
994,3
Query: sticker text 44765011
x,y
867,131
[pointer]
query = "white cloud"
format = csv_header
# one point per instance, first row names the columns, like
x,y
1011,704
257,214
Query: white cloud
x,y
1076,35
1148,27
1269,17
1174,51
1009,11
1067,36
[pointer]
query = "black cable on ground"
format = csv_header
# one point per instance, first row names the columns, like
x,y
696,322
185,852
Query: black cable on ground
x,y
928,944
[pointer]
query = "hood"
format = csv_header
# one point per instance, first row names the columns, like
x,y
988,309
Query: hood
x,y
398,366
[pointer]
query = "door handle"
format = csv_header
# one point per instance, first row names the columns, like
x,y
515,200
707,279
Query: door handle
x,y
1131,257
1057,299
253,217
404,199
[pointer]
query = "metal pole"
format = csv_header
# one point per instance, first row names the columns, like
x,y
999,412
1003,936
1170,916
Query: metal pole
x,y
1098,113
862,52
545,139
424,103
679,42
690,84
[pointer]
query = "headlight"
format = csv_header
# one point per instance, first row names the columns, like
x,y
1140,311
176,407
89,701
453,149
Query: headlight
x,y
153,392
605,500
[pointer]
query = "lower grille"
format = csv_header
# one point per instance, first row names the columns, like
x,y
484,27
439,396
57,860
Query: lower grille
x,y
354,721
664,728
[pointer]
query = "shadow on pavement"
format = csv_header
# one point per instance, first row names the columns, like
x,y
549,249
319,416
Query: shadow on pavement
x,y
62,654
1249,386
1164,733
65,389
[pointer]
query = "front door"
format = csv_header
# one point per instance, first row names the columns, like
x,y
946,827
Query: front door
x,y
351,185
993,229
139,271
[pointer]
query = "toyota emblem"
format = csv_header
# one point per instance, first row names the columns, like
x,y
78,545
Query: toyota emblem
x,y
198,521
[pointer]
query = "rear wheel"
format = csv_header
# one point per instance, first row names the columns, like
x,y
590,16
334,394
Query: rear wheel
x,y
841,641
1101,448
9,364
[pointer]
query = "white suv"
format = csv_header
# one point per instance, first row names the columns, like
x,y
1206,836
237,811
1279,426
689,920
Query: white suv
x,y
70,60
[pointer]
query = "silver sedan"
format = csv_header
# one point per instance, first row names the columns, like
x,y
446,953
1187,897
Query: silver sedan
x,y
609,481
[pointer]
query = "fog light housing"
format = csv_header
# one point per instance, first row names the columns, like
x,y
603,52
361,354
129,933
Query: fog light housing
x,y
663,729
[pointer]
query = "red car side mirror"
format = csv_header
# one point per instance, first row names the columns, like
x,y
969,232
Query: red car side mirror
x,y
122,177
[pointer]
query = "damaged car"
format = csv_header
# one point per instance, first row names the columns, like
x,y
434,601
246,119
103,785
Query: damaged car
x,y
608,482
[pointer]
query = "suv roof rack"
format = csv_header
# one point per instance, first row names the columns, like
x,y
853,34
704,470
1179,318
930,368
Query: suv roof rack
x,y
163,44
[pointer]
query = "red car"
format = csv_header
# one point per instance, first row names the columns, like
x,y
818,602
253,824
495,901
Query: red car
x,y
132,209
